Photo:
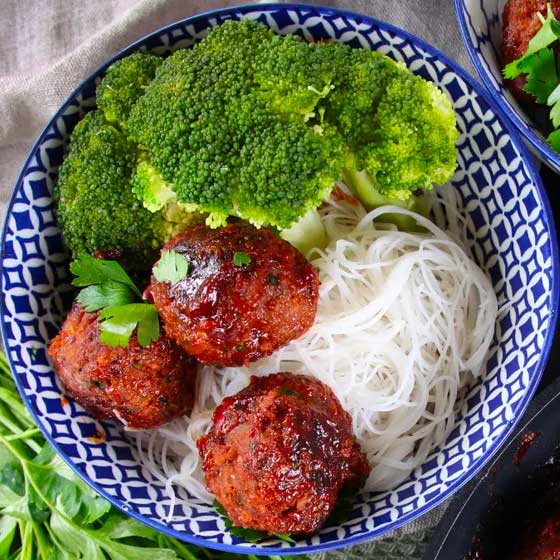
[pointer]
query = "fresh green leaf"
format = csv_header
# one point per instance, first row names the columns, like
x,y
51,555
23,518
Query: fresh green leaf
x,y
285,537
241,259
116,526
77,542
38,510
172,267
250,535
119,321
542,78
554,140
8,527
11,476
98,296
545,36
89,270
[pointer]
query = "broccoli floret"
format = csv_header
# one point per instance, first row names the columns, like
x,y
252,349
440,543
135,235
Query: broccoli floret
x,y
252,124
96,206
149,186
123,84
157,196
214,134
415,134
97,209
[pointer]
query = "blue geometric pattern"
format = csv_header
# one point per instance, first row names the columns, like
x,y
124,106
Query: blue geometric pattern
x,y
480,22
511,235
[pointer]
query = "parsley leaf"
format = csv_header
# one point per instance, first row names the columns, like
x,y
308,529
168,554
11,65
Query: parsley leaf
x,y
89,270
119,321
107,293
545,36
240,259
172,267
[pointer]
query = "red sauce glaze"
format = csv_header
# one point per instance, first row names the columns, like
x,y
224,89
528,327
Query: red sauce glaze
x,y
279,452
544,544
339,195
524,444
144,386
223,314
520,23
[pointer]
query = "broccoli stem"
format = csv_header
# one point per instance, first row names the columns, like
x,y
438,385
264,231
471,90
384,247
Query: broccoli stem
x,y
362,184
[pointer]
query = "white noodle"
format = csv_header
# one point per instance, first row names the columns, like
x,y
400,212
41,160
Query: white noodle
x,y
404,321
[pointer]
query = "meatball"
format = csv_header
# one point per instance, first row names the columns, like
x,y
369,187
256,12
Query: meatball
x,y
279,452
143,387
230,311
519,25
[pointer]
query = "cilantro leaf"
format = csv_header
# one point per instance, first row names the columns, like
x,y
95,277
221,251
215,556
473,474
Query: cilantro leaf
x,y
89,270
240,259
172,267
119,321
554,140
542,78
106,294
545,36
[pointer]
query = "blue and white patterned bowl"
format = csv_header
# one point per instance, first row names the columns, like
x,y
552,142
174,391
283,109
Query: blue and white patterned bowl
x,y
511,233
480,22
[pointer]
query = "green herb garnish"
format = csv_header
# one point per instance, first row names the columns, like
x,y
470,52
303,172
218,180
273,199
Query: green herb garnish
x,y
539,64
109,289
250,535
172,267
119,321
89,271
241,259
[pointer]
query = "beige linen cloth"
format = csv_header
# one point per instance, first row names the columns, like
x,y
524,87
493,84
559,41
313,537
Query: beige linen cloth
x,y
48,46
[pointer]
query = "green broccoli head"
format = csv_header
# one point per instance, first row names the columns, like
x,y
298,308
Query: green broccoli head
x,y
214,134
97,210
158,197
123,84
414,137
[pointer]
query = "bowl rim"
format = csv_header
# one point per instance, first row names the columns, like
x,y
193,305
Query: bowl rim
x,y
521,405
543,150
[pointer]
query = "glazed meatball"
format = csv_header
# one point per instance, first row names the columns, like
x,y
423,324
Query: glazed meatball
x,y
520,23
279,452
228,311
143,387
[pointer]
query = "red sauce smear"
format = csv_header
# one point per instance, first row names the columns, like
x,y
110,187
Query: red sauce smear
x,y
338,195
63,401
524,443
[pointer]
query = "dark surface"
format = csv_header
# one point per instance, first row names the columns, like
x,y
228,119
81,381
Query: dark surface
x,y
486,520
